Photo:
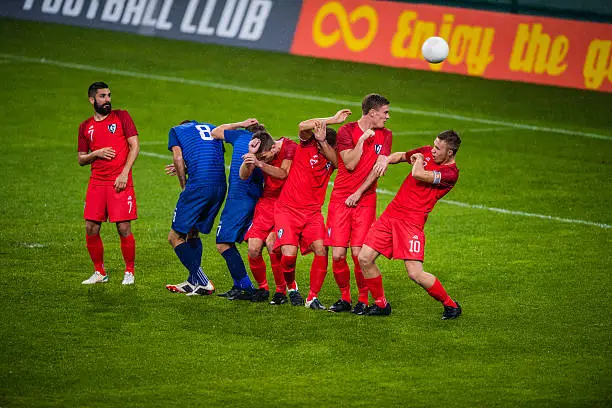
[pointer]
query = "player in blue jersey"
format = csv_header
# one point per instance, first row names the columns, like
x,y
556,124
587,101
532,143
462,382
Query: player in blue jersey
x,y
199,164
239,206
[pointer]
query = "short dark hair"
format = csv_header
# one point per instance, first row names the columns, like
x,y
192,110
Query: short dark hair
x,y
373,101
266,141
452,139
330,136
257,127
93,88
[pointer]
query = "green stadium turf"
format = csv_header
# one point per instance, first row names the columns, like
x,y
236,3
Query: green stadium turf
x,y
523,241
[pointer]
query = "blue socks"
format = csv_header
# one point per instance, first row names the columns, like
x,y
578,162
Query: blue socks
x,y
235,264
191,257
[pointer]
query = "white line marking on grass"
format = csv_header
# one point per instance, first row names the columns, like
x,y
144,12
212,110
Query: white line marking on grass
x,y
292,95
34,245
161,156
435,132
504,211
153,142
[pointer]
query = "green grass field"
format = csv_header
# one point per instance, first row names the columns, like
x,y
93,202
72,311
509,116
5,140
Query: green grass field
x,y
534,281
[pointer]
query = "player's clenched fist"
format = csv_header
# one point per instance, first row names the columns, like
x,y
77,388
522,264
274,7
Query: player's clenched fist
x,y
254,146
367,134
416,157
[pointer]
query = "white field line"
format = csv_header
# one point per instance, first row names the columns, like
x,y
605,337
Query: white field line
x,y
292,95
460,204
435,132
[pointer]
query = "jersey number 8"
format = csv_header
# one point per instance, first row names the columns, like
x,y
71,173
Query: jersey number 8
x,y
204,132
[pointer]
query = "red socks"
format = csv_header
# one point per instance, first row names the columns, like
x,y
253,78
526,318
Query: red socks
x,y
342,275
318,271
128,249
287,267
258,268
377,291
438,292
96,252
361,285
279,277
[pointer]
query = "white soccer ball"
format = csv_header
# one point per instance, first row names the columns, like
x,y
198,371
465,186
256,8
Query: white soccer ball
x,y
435,50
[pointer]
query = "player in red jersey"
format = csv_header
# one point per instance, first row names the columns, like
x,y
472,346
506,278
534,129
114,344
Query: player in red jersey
x,y
363,148
398,233
298,220
274,158
109,142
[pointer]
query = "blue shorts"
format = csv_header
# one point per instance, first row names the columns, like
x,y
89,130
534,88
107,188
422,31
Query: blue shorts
x,y
198,207
235,219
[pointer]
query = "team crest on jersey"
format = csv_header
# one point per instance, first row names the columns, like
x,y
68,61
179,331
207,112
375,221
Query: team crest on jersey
x,y
280,233
112,128
329,232
314,160
328,165
377,148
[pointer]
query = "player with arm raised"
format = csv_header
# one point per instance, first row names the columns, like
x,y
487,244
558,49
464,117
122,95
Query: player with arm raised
x,y
239,205
398,233
363,147
274,158
203,188
297,213
108,141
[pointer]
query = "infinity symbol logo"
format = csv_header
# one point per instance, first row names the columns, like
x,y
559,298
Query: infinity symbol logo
x,y
345,21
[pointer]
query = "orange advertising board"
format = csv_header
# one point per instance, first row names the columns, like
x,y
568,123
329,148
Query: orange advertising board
x,y
487,44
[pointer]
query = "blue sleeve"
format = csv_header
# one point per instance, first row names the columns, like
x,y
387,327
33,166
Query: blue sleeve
x,y
231,136
172,139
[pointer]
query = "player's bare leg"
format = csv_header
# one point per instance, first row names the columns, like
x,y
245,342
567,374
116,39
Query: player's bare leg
x,y
258,269
95,247
434,288
128,250
342,276
318,271
373,281
288,259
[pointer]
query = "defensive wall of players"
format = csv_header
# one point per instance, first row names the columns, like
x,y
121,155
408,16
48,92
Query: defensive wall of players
x,y
494,45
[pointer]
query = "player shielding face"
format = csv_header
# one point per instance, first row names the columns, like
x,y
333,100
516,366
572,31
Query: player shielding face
x,y
363,148
203,190
274,158
298,220
398,233
108,141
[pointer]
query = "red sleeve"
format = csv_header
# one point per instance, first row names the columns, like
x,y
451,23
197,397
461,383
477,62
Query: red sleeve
x,y
129,128
422,150
387,143
344,139
448,175
83,145
290,148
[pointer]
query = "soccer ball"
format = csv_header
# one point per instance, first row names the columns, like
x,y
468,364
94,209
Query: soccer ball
x,y
435,50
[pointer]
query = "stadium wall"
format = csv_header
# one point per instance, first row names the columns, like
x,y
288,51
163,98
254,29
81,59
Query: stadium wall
x,y
486,44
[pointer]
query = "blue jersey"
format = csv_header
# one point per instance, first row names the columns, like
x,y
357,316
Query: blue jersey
x,y
202,153
252,187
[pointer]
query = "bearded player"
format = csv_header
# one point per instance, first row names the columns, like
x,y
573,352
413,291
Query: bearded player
x,y
108,141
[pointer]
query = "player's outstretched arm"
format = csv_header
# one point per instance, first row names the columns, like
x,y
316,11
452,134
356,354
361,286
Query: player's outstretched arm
x,y
397,157
354,198
179,165
338,118
217,132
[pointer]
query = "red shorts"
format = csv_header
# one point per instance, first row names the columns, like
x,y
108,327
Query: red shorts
x,y
104,203
348,225
297,227
263,220
397,239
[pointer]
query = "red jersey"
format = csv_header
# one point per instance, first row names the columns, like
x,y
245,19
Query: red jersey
x,y
273,185
113,132
415,199
306,184
347,182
